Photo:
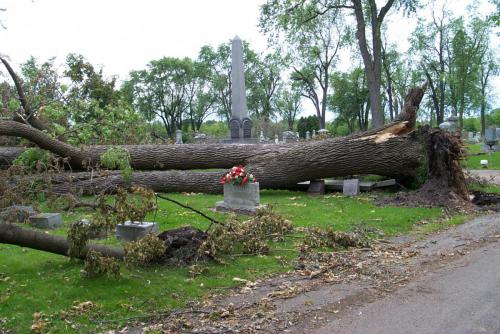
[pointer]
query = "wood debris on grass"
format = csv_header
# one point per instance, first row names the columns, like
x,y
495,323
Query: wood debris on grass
x,y
382,265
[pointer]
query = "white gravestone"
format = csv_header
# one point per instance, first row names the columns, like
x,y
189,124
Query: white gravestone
x,y
178,136
351,187
244,199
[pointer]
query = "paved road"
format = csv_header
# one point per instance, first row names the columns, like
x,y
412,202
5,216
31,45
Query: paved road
x,y
490,175
461,298
449,282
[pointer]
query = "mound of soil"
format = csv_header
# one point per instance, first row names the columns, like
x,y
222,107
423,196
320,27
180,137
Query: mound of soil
x,y
487,200
182,245
445,184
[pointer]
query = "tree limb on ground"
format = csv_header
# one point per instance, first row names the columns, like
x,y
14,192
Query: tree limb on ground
x,y
16,235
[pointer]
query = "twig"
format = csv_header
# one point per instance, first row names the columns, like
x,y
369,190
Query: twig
x,y
150,316
212,220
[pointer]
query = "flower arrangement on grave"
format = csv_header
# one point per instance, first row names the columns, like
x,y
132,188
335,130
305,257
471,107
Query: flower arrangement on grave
x,y
237,176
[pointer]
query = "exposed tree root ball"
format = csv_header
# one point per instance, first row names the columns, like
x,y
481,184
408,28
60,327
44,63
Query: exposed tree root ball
x,y
182,245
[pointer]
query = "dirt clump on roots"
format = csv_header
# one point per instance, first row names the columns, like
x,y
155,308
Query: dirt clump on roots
x,y
445,183
182,245
486,201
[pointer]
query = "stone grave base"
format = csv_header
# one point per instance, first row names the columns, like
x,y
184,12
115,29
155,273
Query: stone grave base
x,y
97,234
243,210
46,220
241,141
19,213
129,231
351,187
316,188
486,148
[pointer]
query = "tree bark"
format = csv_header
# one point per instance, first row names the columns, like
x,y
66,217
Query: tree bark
x,y
9,154
29,114
143,157
391,151
15,235
77,158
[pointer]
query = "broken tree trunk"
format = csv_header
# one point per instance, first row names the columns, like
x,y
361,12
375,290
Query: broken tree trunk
x,y
392,151
380,154
29,114
143,157
181,157
15,235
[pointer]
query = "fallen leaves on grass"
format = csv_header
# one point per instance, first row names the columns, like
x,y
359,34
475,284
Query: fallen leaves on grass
x,y
83,307
39,323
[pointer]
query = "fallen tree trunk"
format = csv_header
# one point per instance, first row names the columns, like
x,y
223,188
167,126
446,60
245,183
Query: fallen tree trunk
x,y
143,157
182,157
395,156
393,151
15,235
29,114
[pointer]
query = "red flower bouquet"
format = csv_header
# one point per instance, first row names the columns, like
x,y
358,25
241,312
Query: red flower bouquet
x,y
237,176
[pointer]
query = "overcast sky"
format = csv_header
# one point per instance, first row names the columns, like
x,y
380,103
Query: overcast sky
x,y
124,35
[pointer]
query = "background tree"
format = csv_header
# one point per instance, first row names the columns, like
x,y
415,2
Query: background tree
x,y
219,62
369,21
350,101
468,47
308,123
87,83
201,96
313,45
429,42
265,79
41,82
162,91
488,68
288,104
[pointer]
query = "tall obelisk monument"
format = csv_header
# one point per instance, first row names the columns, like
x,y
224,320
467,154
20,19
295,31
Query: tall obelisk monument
x,y
240,125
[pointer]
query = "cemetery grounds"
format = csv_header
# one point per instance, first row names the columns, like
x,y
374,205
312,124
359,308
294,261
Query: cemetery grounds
x,y
44,292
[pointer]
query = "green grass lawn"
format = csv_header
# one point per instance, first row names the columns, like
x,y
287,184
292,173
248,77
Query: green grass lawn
x,y
33,281
492,189
475,156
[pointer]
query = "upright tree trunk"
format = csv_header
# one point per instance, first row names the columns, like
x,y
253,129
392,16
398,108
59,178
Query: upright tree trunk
x,y
375,102
372,63
483,118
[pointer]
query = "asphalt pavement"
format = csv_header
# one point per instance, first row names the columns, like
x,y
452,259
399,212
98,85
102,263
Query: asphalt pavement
x,y
461,297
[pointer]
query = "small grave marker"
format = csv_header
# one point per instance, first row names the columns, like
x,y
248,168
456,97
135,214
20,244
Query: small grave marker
x,y
316,188
129,231
247,128
351,187
178,136
23,212
46,220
